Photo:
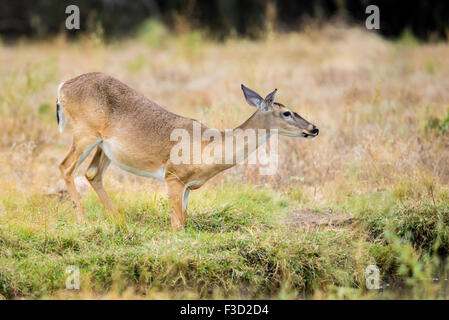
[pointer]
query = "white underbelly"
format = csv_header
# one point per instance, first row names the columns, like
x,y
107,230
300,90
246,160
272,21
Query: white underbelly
x,y
159,174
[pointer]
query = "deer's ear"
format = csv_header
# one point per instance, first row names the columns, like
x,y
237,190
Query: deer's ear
x,y
252,97
267,103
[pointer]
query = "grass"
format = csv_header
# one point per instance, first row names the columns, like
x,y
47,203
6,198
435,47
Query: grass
x,y
238,247
379,165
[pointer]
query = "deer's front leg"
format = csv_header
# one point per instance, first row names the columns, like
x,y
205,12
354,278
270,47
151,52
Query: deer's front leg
x,y
176,198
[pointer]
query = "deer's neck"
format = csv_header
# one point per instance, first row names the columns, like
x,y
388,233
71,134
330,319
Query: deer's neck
x,y
251,126
244,139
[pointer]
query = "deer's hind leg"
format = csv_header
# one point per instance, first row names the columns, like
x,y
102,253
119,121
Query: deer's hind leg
x,y
94,175
79,150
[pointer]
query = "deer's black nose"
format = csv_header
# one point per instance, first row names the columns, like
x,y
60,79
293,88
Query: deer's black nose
x,y
312,129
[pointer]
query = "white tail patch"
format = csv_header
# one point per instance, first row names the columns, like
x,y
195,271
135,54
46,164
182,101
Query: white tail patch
x,y
62,120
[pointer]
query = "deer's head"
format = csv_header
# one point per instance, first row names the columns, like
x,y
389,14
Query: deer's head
x,y
273,115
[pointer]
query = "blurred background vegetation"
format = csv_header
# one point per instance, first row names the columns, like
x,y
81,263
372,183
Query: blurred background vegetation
x,y
427,20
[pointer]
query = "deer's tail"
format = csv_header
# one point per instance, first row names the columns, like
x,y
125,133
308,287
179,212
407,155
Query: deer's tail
x,y
59,111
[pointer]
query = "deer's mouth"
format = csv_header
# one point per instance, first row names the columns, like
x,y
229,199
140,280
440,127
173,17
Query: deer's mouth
x,y
310,134
304,134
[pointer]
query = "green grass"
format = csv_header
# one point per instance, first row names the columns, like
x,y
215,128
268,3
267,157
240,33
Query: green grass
x,y
440,125
410,240
236,242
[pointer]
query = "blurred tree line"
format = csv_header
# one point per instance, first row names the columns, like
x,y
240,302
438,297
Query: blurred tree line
x,y
221,18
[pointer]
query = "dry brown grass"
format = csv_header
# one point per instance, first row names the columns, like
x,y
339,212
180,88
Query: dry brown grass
x,y
370,99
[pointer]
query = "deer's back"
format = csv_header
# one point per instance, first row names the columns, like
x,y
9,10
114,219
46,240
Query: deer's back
x,y
105,104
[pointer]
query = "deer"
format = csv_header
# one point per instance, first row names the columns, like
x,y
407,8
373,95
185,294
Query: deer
x,y
131,131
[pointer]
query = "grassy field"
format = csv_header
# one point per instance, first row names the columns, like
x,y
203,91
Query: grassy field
x,y
371,189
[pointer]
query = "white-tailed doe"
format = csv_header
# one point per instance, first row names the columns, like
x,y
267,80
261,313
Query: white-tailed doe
x,y
134,133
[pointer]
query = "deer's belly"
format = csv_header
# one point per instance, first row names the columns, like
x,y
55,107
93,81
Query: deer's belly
x,y
133,161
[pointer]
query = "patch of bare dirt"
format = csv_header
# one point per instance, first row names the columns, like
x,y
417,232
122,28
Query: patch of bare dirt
x,y
315,218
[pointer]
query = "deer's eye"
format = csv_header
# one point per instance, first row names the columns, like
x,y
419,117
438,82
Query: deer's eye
x,y
287,114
